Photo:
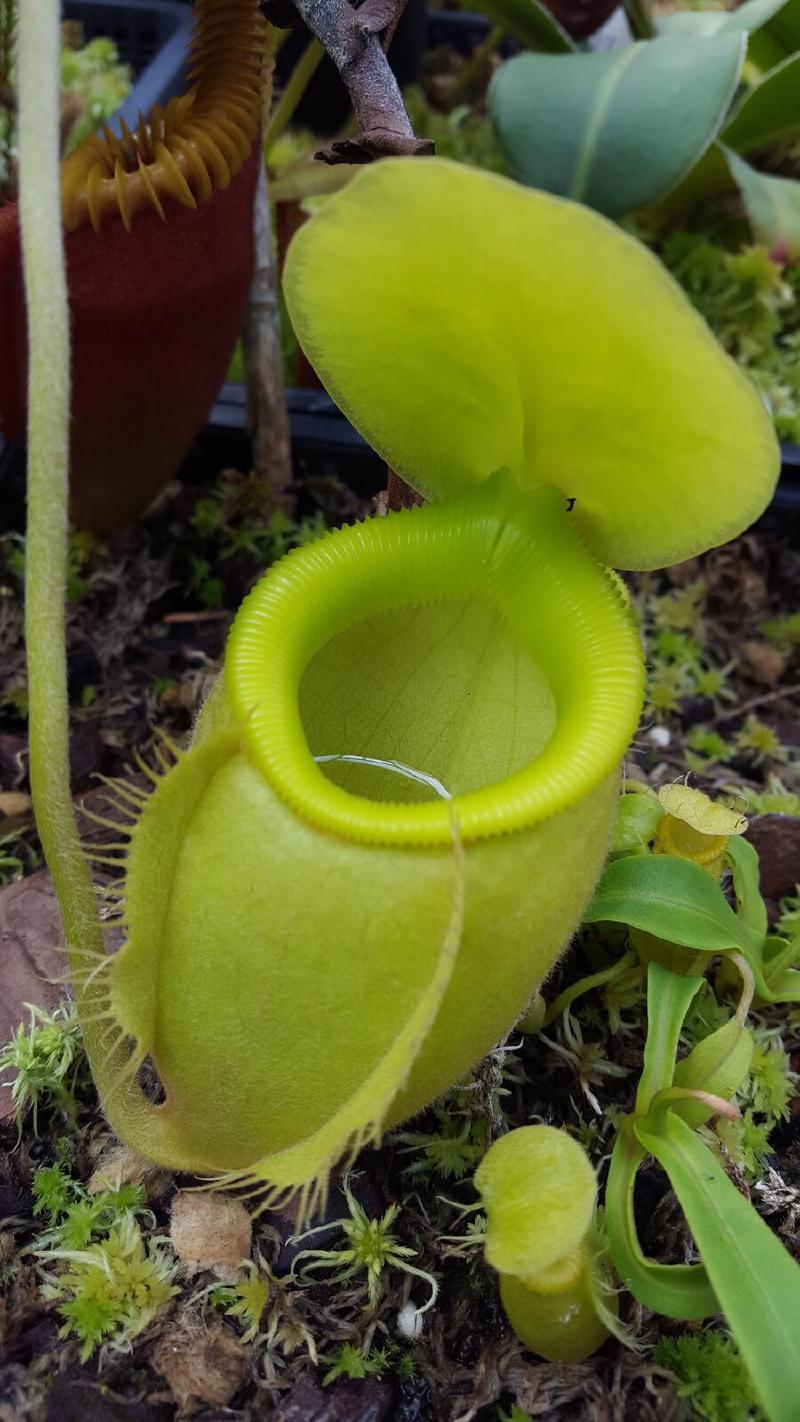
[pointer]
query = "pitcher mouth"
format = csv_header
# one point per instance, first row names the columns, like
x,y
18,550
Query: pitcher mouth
x,y
518,549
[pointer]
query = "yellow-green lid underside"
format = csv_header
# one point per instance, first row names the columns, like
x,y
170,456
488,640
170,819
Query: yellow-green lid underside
x,y
465,324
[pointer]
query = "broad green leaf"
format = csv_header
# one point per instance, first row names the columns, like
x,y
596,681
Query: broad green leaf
x,y
755,1280
672,899
530,23
780,954
619,128
773,27
465,324
768,112
774,36
695,24
785,987
679,1291
743,859
778,17
772,206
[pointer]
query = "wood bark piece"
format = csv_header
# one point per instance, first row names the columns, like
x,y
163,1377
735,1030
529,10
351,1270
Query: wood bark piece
x,y
32,956
267,416
203,1361
211,1231
777,839
367,1401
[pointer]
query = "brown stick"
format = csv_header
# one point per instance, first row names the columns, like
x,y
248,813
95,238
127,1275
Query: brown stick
x,y
267,419
399,494
353,39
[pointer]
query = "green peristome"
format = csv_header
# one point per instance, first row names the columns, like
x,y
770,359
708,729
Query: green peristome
x,y
473,325
315,949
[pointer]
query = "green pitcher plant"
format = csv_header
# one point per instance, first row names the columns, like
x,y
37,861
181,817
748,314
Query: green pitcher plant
x,y
539,1191
399,795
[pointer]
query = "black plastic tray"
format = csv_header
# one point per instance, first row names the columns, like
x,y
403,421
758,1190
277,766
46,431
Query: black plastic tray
x,y
151,35
321,436
320,431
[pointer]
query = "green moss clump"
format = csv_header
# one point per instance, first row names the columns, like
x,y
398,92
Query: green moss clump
x,y
711,1376
462,134
752,305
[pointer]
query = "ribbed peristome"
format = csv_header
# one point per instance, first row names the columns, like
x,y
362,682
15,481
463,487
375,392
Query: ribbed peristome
x,y
190,148
520,551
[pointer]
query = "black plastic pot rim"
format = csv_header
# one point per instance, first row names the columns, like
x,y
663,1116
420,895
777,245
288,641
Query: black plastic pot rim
x,y
319,427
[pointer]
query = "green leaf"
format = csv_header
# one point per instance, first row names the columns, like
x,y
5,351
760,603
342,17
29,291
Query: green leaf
x,y
778,16
755,1280
637,820
529,22
718,1065
775,35
773,27
467,324
743,859
679,1291
668,999
767,112
674,900
694,24
615,129
676,1290
772,206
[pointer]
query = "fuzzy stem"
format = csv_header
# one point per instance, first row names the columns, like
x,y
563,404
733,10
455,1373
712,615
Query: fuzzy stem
x,y
130,1113
301,76
39,47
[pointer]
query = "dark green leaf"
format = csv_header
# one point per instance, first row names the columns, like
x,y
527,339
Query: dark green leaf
x,y
615,130
529,22
768,112
777,33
